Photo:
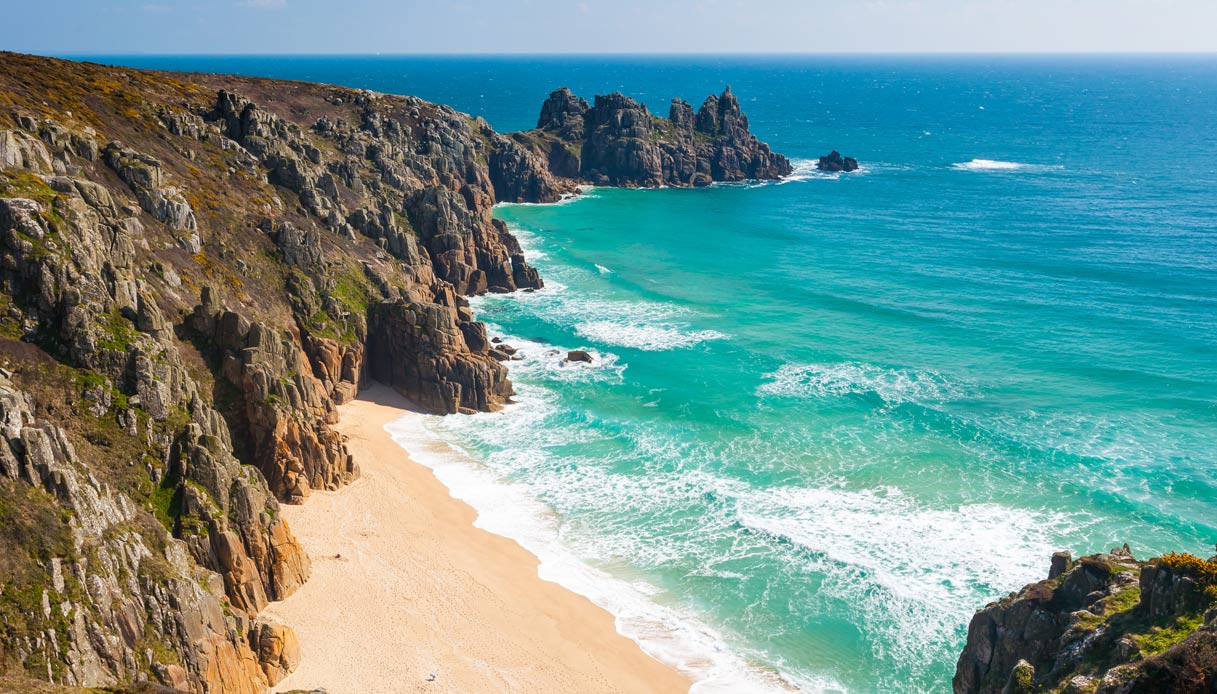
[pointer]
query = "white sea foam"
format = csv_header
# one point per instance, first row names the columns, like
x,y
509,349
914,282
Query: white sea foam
x,y
511,511
912,572
993,165
801,170
601,317
645,337
805,170
908,570
534,358
585,192
529,243
830,380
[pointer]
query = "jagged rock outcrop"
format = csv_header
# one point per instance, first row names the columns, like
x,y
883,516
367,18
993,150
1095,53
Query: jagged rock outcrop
x,y
143,173
563,112
450,369
833,162
519,175
1104,624
281,408
617,141
119,596
20,150
437,185
194,272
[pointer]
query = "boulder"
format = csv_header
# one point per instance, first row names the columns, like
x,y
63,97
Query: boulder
x,y
834,162
579,356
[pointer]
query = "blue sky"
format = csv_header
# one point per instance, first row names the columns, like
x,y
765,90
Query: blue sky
x,y
601,26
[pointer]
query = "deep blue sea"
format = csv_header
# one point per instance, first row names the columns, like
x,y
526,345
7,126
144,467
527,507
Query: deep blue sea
x,y
831,417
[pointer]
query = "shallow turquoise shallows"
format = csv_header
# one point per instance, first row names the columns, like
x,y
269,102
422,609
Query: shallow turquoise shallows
x,y
831,417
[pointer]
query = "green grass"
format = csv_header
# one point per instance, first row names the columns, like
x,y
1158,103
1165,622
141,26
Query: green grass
x,y
23,184
1111,606
165,505
10,325
1157,639
119,333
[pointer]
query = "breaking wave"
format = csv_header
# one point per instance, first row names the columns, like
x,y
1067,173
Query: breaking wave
x,y
834,380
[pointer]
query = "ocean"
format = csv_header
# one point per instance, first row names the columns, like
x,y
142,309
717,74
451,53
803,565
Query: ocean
x,y
830,417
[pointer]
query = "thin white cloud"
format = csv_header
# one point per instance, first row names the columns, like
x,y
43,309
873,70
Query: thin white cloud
x,y
265,4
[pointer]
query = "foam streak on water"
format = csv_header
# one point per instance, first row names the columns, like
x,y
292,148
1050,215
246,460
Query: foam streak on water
x,y
511,510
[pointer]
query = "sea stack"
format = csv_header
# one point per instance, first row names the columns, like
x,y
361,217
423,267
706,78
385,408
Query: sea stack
x,y
834,162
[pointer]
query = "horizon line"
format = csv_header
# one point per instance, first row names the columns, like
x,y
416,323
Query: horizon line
x,y
625,54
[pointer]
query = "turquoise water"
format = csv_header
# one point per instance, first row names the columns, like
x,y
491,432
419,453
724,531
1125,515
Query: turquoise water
x,y
829,418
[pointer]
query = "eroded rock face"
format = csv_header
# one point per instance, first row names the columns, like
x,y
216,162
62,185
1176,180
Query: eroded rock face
x,y
122,583
618,142
449,367
437,186
563,112
283,410
182,309
520,175
1106,623
833,162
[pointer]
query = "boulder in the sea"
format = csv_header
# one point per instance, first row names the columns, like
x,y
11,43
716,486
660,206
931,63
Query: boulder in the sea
x,y
578,355
833,162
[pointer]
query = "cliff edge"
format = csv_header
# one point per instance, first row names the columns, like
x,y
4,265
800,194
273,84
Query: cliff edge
x,y
1103,624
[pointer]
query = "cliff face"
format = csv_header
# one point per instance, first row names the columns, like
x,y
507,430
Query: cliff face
x,y
194,272
617,142
1105,624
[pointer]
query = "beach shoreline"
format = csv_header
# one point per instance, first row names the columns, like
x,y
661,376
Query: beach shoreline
x,y
407,595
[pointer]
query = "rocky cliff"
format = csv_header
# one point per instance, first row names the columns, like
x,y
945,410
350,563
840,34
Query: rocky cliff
x,y
1104,624
195,271
616,141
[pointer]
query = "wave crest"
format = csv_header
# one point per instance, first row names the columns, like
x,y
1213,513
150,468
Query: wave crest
x,y
995,165
890,555
646,337
835,380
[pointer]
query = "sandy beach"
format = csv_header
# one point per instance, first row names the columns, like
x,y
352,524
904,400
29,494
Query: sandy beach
x,y
407,596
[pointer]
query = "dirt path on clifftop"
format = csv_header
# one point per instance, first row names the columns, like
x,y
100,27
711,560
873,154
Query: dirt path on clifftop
x,y
404,587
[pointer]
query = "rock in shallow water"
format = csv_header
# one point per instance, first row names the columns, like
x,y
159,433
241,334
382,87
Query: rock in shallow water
x,y
578,355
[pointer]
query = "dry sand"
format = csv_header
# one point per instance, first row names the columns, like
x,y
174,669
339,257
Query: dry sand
x,y
404,587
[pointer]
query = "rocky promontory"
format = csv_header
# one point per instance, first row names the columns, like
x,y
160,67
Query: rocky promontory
x,y
1103,624
616,141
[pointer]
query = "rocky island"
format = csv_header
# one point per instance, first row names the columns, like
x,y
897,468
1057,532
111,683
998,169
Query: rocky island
x,y
196,271
616,141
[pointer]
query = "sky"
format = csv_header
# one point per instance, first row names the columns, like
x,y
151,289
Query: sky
x,y
67,27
